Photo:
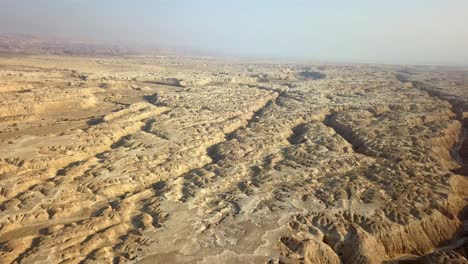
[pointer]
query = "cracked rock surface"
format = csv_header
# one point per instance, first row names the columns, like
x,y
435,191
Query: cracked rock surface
x,y
196,160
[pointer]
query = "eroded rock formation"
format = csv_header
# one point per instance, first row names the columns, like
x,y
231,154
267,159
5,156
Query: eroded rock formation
x,y
169,160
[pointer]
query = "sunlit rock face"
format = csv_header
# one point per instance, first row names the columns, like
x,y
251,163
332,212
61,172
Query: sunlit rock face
x,y
192,160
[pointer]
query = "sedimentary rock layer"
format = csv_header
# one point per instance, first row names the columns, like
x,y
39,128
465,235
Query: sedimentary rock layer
x,y
171,160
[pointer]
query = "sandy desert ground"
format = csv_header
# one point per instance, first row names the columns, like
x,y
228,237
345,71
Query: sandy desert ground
x,y
198,160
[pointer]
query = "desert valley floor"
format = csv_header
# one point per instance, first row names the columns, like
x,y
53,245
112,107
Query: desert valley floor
x,y
199,160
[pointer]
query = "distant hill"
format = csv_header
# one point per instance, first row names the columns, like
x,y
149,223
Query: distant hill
x,y
30,44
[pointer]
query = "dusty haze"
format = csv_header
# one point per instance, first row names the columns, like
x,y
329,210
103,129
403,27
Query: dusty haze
x,y
407,32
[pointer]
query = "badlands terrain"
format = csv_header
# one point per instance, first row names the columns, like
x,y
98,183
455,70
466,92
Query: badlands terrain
x,y
197,160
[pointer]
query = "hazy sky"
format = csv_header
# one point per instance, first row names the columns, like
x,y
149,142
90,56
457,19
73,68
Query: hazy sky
x,y
388,31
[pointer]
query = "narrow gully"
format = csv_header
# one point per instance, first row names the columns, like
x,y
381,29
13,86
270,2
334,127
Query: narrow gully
x,y
461,151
